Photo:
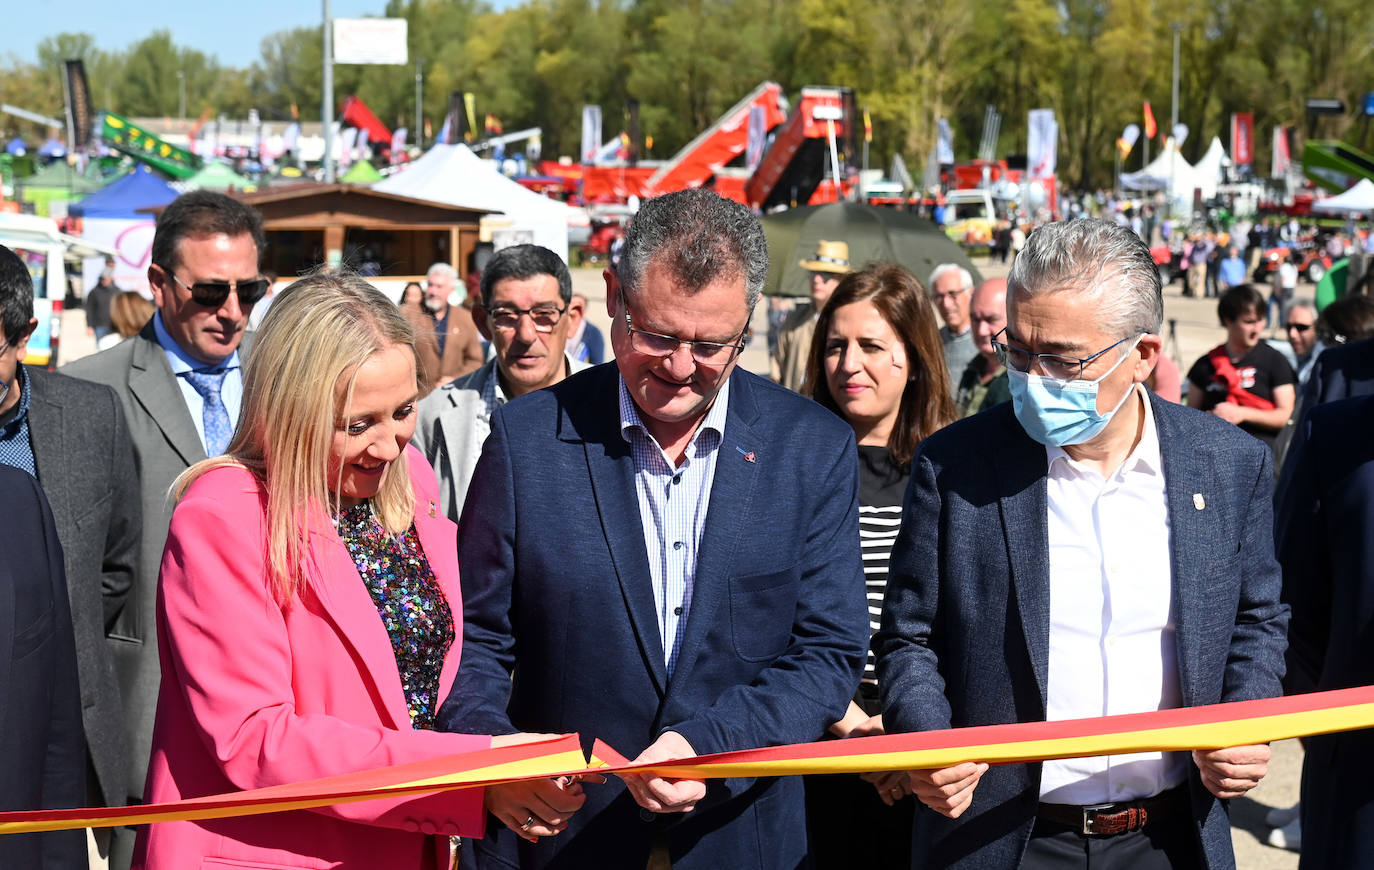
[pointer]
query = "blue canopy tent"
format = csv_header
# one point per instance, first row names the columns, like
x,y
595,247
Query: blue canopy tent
x,y
122,199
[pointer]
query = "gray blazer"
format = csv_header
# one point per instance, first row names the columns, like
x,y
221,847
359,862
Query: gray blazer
x,y
447,433
86,467
964,638
165,443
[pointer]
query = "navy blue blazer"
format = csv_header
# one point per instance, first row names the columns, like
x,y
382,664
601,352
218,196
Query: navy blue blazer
x,y
43,765
1327,553
964,637
560,632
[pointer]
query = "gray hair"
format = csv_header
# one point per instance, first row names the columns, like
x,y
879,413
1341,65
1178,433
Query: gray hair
x,y
1306,304
699,237
1100,259
444,269
965,279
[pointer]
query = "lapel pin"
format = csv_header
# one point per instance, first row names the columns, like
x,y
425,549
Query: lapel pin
x,y
748,455
1198,501
433,510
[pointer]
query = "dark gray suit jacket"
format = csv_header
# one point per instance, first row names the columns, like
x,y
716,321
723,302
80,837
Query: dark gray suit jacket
x,y
165,444
965,625
86,467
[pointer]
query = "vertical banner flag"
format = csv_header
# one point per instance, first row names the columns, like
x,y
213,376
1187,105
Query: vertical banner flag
x,y
1129,137
944,143
868,127
1150,128
1042,143
470,104
591,132
1281,162
758,133
80,114
1243,138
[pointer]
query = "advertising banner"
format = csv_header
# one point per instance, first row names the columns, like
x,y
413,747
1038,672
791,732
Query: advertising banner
x,y
370,40
1243,138
591,132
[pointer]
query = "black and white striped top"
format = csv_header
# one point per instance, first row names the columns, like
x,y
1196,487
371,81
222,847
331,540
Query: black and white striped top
x,y
881,487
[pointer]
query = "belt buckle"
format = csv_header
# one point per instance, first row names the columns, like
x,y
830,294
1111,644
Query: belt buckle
x,y
1090,816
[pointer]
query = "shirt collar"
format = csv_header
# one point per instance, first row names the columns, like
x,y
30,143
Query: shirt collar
x,y
21,410
714,421
1145,457
182,361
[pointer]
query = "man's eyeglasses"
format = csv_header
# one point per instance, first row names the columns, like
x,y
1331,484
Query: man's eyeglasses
x,y
1059,366
213,294
1300,327
545,317
706,353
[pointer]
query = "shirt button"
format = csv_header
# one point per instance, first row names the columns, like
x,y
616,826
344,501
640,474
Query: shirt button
x,y
677,545
677,611
677,478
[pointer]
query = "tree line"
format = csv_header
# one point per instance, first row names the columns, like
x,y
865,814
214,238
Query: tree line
x,y
910,63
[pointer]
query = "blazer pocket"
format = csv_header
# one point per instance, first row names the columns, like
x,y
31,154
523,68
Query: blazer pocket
x,y
762,608
97,509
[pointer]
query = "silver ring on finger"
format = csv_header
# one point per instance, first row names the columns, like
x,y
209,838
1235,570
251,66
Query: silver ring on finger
x,y
529,820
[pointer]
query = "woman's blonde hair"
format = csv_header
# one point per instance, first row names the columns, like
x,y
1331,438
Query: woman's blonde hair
x,y
317,333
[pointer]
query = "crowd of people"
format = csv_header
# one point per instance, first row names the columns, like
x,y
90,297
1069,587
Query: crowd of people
x,y
351,537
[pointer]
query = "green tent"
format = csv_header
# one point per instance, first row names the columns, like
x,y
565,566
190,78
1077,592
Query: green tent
x,y
361,172
874,234
218,176
1332,285
59,181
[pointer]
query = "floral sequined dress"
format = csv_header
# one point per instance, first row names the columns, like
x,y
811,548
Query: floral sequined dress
x,y
408,599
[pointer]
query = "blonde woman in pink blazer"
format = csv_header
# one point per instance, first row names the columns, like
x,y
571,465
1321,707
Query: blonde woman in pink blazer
x,y
309,618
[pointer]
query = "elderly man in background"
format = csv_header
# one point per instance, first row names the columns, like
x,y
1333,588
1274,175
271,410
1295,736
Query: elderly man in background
x,y
526,311
951,287
983,383
1096,587
460,349
787,366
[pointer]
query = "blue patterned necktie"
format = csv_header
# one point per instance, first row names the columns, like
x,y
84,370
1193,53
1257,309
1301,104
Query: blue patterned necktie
x,y
218,427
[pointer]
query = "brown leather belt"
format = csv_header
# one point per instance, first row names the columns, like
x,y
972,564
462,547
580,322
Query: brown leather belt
x,y
1107,820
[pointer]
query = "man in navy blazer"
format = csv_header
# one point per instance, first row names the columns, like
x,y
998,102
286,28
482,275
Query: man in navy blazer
x,y
1087,549
1327,554
664,553
44,761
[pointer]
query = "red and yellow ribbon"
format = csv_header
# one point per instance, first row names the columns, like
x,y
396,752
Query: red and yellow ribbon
x,y
1211,727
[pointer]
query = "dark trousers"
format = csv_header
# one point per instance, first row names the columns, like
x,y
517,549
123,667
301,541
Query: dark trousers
x,y
1166,845
848,825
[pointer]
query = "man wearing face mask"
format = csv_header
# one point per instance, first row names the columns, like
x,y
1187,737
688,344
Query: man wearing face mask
x,y
1097,587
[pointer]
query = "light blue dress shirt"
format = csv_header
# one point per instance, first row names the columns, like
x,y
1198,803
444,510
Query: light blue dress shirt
x,y
672,509
231,391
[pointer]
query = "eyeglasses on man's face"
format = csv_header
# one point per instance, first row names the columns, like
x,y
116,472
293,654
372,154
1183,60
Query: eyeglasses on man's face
x,y
1060,367
706,353
213,294
507,317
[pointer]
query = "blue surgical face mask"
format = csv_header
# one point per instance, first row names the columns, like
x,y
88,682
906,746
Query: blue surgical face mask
x,y
1061,413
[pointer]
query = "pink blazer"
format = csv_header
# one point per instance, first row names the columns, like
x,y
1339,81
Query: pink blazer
x,y
254,694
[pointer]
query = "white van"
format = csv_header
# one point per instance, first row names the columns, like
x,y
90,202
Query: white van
x,y
46,251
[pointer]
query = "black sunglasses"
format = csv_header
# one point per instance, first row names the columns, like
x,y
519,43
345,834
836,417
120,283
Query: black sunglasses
x,y
212,294
1300,327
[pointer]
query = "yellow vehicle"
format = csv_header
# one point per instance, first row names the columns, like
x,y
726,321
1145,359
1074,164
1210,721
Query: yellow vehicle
x,y
970,217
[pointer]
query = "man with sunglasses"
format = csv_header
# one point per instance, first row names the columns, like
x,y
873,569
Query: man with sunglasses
x,y
664,553
1122,562
179,384
525,312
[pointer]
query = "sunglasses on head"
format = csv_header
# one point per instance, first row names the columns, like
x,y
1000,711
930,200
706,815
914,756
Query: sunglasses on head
x,y
213,294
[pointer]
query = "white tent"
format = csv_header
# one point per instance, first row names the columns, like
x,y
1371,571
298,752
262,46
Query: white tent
x,y
1359,198
1169,165
453,174
1207,172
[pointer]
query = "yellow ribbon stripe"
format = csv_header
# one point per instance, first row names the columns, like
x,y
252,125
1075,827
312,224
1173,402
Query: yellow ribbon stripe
x,y
1210,727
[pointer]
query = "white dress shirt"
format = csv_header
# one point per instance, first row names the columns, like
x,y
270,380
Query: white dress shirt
x,y
230,392
1112,646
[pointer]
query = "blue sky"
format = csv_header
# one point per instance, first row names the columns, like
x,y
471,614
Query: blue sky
x,y
232,32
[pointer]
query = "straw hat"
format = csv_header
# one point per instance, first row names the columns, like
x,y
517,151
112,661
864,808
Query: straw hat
x,y
830,257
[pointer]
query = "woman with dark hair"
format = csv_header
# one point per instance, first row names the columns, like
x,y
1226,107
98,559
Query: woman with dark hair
x,y
1243,380
878,362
